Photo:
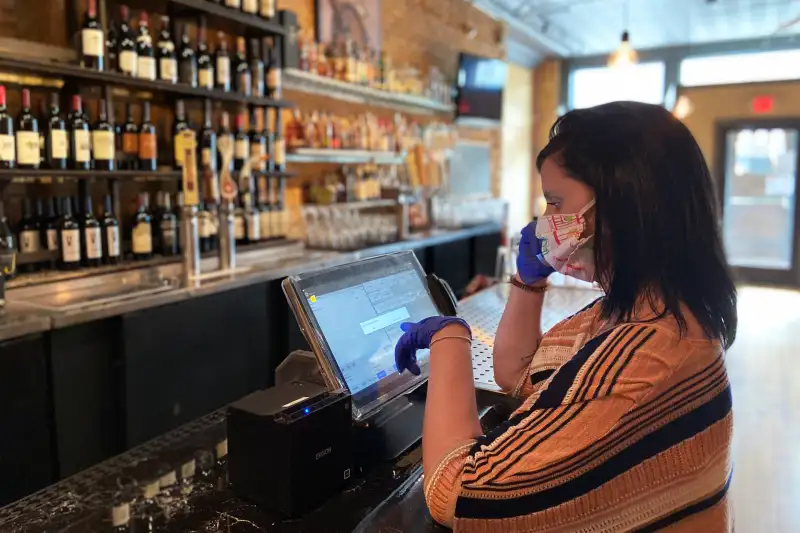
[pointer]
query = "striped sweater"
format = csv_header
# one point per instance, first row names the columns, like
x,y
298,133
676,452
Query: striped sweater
x,y
627,430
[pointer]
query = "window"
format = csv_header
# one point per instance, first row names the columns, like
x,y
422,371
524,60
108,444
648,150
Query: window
x,y
643,82
740,68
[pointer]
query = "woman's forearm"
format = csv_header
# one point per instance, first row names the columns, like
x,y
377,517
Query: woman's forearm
x,y
518,335
451,412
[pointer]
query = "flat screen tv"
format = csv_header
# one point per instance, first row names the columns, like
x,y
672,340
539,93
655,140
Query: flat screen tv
x,y
480,87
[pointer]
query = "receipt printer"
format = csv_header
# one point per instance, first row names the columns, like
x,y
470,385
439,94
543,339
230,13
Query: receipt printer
x,y
290,447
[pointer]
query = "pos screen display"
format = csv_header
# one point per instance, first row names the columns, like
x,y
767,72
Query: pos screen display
x,y
355,311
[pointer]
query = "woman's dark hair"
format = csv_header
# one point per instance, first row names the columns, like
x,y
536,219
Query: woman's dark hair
x,y
656,223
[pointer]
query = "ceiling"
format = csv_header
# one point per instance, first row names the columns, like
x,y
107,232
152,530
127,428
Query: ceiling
x,y
586,27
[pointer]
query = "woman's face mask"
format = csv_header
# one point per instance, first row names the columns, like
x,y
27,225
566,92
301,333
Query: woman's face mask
x,y
562,245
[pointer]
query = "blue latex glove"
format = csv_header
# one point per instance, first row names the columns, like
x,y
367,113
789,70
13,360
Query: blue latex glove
x,y
418,336
529,265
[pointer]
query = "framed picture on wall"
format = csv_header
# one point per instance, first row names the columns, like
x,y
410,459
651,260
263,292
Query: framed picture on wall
x,y
358,19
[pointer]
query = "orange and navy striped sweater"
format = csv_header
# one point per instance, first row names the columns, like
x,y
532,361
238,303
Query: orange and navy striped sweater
x,y
627,430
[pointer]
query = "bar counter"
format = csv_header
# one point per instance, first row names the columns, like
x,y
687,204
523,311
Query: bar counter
x,y
387,498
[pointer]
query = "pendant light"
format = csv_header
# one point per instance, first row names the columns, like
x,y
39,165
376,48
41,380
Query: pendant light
x,y
624,55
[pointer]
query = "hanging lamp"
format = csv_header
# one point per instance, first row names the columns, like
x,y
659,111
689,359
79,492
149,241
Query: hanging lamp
x,y
624,55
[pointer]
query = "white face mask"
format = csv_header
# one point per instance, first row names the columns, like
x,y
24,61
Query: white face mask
x,y
562,246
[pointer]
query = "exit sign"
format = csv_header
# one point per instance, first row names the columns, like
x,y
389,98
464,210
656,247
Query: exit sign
x,y
763,104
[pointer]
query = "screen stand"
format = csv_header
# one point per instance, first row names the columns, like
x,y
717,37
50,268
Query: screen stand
x,y
391,431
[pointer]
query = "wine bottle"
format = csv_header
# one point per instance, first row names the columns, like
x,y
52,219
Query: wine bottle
x,y
235,4
92,239
145,61
270,141
208,141
111,248
187,67
148,149
267,9
128,56
70,232
8,150
252,217
141,234
258,141
223,64
8,252
92,38
130,141
274,74
241,145
179,146
28,153
250,6
244,78
167,64
112,47
167,226
205,64
80,144
50,227
256,68
44,117
103,141
29,234
239,222
264,205
279,151
56,141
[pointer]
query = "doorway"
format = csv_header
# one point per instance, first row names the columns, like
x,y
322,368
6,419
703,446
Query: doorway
x,y
757,167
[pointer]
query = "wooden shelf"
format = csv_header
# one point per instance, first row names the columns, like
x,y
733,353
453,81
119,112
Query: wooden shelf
x,y
78,73
343,157
305,82
251,21
85,174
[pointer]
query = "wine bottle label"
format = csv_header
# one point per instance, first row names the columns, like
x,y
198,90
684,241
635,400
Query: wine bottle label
x,y
274,79
187,469
58,144
205,78
242,149
147,146
254,226
238,227
27,148
130,143
128,60
267,8
103,145
92,41
266,231
70,245
169,69
29,241
120,515
223,70
146,67
112,240
94,244
142,238
233,3
52,239
250,6
180,147
280,152
82,146
168,233
8,148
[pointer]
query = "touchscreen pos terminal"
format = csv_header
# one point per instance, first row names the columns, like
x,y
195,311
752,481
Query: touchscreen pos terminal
x,y
351,316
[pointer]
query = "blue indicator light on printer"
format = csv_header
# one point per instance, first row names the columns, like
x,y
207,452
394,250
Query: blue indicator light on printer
x,y
306,410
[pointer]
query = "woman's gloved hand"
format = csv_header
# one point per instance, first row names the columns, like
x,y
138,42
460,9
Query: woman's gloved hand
x,y
418,336
529,265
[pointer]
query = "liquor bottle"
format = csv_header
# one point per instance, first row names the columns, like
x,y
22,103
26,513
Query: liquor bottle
x,y
270,140
224,131
244,78
148,150
250,6
130,141
241,151
112,47
8,150
235,4
258,141
92,238
179,147
50,227
80,143
103,141
264,206
92,38
70,233
239,223
208,141
167,224
8,252
256,68
28,153
29,234
121,511
56,140
141,232
252,217
279,151
145,60
205,62
274,74
167,64
187,66
128,57
267,9
223,64
111,242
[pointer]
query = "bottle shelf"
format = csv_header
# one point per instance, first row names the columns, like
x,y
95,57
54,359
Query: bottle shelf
x,y
322,155
78,73
245,19
9,173
305,82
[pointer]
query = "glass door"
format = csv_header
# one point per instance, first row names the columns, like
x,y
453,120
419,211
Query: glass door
x,y
759,200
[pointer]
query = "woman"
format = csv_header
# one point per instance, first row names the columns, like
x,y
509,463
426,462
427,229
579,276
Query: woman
x,y
626,423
